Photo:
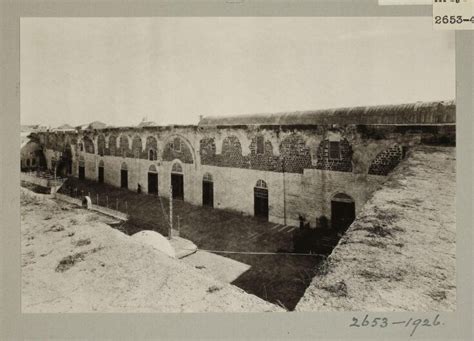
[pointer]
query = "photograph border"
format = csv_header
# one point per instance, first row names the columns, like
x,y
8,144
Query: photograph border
x,y
15,325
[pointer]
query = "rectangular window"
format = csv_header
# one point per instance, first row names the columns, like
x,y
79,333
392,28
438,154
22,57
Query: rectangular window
x,y
177,144
334,150
260,145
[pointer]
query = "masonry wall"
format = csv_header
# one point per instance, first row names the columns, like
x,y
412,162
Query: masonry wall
x,y
295,162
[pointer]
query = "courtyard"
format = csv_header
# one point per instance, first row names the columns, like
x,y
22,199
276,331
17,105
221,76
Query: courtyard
x,y
276,274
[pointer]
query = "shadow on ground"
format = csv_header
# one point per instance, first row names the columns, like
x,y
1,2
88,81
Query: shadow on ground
x,y
278,278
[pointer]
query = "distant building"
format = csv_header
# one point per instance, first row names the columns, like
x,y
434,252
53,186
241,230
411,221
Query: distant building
x,y
146,123
96,125
31,155
64,127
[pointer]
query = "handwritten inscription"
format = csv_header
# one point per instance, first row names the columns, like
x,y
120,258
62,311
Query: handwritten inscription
x,y
411,324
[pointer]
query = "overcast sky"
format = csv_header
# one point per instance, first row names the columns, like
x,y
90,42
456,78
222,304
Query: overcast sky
x,y
171,70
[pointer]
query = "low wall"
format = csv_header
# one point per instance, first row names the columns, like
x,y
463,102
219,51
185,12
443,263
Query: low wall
x,y
53,184
100,209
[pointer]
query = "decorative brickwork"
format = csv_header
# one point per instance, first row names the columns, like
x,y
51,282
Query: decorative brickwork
x,y
101,145
137,147
207,150
231,155
295,154
329,160
177,149
88,145
386,160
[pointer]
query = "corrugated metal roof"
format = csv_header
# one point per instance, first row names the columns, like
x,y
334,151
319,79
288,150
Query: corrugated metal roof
x,y
411,113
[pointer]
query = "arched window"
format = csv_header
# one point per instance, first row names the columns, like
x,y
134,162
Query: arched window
x,y
112,145
177,168
151,155
137,146
261,184
260,145
124,145
207,177
177,144
101,145
88,145
151,148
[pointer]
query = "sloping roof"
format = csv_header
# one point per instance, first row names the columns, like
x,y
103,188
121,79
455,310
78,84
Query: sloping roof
x,y
411,113
96,125
92,125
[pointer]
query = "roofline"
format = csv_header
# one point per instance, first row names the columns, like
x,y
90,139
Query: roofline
x,y
281,118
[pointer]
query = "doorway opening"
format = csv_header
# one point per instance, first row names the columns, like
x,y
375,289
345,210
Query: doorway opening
x,y
342,212
177,181
152,180
124,176
207,190
101,172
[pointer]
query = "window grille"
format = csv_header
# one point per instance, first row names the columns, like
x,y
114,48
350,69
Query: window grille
x,y
261,184
334,150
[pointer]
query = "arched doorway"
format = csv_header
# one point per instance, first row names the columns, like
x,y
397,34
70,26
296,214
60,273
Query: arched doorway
x,y
152,180
101,171
207,190
82,168
261,199
124,176
342,211
177,181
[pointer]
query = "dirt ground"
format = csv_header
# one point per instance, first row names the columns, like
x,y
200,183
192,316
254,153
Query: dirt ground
x,y
72,261
400,253
278,278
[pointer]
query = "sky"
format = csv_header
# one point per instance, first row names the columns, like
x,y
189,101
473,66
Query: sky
x,y
171,70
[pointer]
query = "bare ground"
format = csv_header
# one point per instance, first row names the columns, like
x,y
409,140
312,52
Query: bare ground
x,y
73,262
399,254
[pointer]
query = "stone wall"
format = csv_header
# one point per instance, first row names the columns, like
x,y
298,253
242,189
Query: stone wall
x,y
304,166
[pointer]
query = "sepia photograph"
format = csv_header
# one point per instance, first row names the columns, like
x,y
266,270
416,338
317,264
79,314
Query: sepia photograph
x,y
237,164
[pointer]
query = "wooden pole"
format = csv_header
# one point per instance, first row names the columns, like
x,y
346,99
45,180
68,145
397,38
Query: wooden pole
x,y
171,212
